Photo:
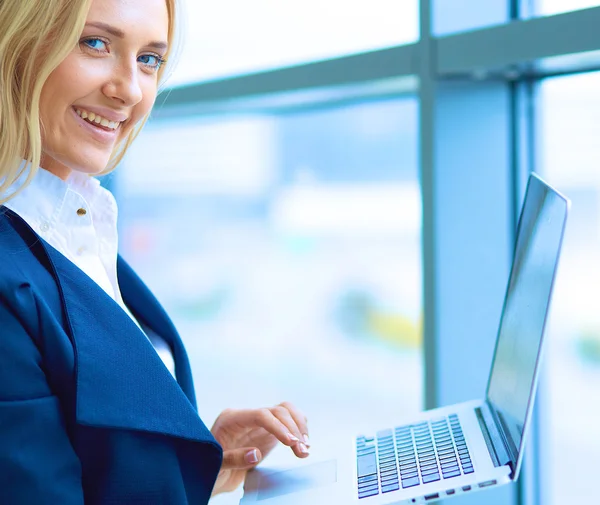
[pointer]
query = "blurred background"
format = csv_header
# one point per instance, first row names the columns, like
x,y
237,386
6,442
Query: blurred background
x,y
325,202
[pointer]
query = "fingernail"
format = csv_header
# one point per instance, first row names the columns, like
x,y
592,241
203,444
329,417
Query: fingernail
x,y
302,448
293,438
252,457
306,440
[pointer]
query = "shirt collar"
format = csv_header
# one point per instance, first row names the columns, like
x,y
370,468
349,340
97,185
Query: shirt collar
x,y
42,200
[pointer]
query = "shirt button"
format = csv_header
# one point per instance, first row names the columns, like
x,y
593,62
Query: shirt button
x,y
44,226
80,251
81,212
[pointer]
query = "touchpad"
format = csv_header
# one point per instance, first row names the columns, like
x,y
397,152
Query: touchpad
x,y
306,477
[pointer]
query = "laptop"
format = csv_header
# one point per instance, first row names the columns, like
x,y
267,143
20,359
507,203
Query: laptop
x,y
458,449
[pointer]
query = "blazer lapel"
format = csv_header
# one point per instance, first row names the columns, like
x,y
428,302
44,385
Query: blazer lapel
x,y
146,308
120,380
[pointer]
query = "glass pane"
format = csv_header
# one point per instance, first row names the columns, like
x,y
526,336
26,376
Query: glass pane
x,y
549,7
452,16
237,36
570,159
289,255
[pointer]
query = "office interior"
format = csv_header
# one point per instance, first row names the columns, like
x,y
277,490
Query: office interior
x,y
326,198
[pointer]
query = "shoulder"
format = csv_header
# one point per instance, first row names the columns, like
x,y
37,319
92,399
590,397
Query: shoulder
x,y
22,268
16,249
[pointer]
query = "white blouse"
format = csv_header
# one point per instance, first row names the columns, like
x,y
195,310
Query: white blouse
x,y
78,217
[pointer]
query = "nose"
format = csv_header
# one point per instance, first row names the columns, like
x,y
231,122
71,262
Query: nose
x,y
124,85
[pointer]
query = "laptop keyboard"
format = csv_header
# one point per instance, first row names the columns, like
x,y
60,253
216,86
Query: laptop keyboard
x,y
411,455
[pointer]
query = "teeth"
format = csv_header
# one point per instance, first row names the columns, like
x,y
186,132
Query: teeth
x,y
94,118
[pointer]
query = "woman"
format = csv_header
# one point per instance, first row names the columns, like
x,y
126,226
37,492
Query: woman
x,y
97,403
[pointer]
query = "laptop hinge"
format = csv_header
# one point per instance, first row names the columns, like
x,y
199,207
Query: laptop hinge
x,y
496,442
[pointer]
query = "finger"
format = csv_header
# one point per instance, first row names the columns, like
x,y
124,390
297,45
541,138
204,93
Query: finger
x,y
241,458
264,418
284,415
299,419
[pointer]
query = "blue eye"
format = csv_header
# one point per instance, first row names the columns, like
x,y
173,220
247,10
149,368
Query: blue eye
x,y
95,44
151,60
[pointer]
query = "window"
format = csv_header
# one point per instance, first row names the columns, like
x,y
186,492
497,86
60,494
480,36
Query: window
x,y
236,36
282,244
549,7
452,16
570,157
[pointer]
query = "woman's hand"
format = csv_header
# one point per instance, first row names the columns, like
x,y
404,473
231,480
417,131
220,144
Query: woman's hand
x,y
247,436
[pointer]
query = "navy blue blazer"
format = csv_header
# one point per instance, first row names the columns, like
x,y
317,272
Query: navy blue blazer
x,y
88,412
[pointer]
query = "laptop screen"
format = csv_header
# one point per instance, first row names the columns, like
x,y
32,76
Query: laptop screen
x,y
514,369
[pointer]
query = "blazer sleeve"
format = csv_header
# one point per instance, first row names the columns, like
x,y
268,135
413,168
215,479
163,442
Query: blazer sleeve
x,y
37,461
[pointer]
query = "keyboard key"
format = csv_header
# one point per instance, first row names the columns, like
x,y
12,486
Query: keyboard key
x,y
366,494
408,466
445,452
367,465
450,475
468,469
367,450
431,478
427,452
409,475
369,478
390,487
448,457
446,469
407,461
414,481
448,463
368,485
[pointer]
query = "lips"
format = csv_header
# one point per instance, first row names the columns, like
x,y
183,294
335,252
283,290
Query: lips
x,y
101,134
98,120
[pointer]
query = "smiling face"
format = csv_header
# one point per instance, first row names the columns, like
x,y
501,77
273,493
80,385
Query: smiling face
x,y
106,85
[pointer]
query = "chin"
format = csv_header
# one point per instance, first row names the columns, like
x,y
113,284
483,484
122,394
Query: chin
x,y
62,166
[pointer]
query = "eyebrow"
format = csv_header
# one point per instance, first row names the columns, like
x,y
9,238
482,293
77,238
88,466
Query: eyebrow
x,y
121,34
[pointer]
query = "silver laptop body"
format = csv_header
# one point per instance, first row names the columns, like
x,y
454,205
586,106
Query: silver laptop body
x,y
461,448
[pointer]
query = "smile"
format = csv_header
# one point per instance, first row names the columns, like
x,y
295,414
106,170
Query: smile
x,y
98,120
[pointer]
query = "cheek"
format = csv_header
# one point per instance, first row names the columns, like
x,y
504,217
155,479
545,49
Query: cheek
x,y
60,89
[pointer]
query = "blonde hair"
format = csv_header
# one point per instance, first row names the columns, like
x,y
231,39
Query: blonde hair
x,y
35,37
